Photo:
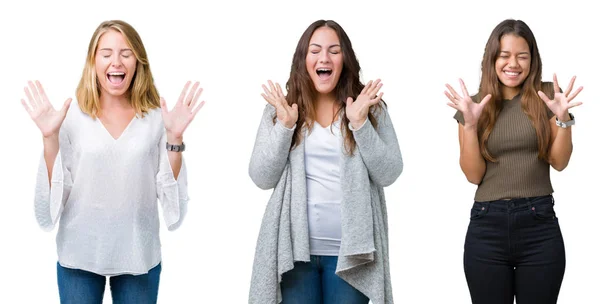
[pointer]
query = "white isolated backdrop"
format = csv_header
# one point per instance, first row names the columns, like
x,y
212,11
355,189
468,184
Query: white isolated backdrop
x,y
234,47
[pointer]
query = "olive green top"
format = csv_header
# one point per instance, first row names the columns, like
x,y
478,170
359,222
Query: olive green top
x,y
517,172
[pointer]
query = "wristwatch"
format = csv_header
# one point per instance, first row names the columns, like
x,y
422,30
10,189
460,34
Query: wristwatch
x,y
176,148
565,124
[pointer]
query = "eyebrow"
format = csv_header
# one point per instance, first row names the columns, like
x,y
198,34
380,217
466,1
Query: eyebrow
x,y
333,45
521,53
109,49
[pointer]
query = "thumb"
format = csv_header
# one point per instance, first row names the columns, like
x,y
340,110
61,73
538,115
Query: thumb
x,y
485,100
349,102
66,106
163,106
295,107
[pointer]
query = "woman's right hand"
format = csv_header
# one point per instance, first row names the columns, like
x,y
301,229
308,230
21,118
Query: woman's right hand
x,y
41,111
471,111
286,114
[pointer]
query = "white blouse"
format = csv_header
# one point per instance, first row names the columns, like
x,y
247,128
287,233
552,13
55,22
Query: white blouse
x,y
105,191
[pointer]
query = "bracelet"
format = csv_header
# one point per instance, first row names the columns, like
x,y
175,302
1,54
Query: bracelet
x,y
176,148
566,124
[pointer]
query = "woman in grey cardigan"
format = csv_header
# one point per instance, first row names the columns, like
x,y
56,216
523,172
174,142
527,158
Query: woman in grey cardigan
x,y
327,148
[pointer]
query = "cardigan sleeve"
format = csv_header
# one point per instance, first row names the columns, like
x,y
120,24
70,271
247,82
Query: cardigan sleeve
x,y
271,150
379,149
172,193
50,198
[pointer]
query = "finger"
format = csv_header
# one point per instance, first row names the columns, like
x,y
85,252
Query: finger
x,y
450,97
190,95
376,100
44,98
196,97
66,106
163,106
198,109
555,81
544,97
374,87
295,107
35,94
272,88
183,92
453,105
24,103
32,102
570,87
453,92
571,105
485,100
266,90
271,102
463,87
279,91
367,87
574,94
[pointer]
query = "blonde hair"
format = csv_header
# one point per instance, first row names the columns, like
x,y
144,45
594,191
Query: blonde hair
x,y
143,95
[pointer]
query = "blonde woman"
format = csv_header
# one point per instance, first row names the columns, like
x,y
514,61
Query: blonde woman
x,y
106,161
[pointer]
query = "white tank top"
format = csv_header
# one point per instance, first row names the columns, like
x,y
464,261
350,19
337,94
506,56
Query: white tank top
x,y
322,158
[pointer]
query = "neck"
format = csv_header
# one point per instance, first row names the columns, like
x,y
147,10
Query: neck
x,y
108,102
325,100
510,93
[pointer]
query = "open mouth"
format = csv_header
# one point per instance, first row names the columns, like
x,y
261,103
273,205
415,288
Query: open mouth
x,y
115,78
324,73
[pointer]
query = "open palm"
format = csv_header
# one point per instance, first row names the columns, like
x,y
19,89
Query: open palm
x,y
471,110
286,114
561,103
184,111
41,111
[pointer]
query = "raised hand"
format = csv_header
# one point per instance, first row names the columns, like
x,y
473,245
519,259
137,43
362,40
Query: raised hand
x,y
286,114
357,111
562,101
184,111
471,110
41,111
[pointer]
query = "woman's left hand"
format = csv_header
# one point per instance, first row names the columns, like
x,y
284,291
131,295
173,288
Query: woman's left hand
x,y
184,111
358,111
562,101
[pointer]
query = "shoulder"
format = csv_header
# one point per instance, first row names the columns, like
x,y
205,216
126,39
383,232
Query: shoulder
x,y
74,115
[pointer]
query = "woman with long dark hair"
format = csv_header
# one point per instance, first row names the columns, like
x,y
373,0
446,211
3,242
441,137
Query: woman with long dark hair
x,y
510,133
327,148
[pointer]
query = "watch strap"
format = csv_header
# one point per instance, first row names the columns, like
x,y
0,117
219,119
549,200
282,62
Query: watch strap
x,y
176,148
566,124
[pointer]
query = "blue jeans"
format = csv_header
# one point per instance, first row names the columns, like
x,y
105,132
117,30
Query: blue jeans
x,y
514,248
79,286
315,282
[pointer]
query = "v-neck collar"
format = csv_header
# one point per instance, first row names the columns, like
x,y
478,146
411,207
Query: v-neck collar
x,y
122,132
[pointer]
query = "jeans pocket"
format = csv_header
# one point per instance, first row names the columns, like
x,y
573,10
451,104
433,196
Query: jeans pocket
x,y
543,211
478,211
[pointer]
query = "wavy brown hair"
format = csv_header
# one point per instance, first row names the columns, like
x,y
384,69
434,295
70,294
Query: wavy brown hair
x,y
301,90
531,103
143,95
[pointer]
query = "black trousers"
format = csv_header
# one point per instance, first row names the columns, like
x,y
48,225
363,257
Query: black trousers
x,y
514,248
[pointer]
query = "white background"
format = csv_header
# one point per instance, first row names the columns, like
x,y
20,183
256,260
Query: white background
x,y
232,48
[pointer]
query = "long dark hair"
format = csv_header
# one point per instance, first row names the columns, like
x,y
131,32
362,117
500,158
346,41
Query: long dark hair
x,y
301,90
531,103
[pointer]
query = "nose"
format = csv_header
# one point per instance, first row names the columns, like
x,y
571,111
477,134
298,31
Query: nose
x,y
513,62
115,60
324,57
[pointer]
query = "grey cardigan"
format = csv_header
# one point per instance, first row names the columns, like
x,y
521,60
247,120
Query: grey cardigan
x,y
283,237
